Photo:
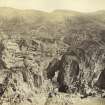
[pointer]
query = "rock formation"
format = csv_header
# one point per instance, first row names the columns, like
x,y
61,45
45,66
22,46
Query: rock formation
x,y
80,69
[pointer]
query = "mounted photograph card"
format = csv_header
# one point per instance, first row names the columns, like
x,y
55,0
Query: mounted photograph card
x,y
52,52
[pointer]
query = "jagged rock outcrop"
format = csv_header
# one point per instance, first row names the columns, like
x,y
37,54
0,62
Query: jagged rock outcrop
x,y
21,77
80,69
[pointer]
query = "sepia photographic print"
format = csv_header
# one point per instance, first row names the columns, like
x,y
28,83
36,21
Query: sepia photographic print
x,y
52,52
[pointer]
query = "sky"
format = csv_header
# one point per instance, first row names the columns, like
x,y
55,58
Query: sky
x,y
50,5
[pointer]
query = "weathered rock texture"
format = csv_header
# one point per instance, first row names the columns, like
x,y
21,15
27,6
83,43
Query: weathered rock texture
x,y
21,70
80,69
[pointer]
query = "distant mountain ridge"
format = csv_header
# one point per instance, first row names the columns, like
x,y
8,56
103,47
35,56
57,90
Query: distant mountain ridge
x,y
33,22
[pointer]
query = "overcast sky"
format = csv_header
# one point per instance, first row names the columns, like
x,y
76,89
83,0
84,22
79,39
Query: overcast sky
x,y
49,5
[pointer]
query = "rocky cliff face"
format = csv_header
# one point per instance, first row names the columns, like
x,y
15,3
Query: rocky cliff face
x,y
21,73
80,69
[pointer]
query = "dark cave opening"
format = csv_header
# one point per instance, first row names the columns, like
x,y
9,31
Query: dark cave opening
x,y
63,88
101,81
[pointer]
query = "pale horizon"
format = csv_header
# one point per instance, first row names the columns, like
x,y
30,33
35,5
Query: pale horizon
x,y
51,5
